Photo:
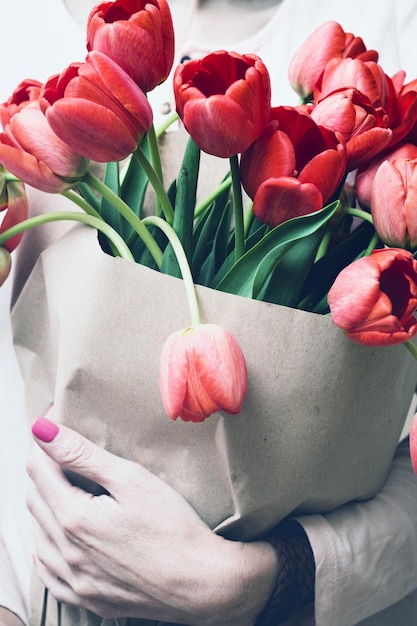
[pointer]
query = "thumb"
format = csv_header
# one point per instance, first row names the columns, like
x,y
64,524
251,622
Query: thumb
x,y
77,454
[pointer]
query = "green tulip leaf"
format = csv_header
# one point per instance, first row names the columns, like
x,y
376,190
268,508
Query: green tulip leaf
x,y
185,201
134,184
323,273
240,279
219,248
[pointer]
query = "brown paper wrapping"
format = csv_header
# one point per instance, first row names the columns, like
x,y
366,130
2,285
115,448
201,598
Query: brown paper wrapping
x,y
318,428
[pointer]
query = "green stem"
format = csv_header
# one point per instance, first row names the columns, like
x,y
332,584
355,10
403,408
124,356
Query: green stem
x,y
411,348
90,220
324,245
154,152
212,197
156,183
182,262
372,244
168,122
363,215
81,202
238,208
130,216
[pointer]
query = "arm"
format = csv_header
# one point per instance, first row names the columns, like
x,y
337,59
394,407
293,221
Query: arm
x,y
138,550
366,552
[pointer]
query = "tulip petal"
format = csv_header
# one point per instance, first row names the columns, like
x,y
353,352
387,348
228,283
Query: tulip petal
x,y
280,199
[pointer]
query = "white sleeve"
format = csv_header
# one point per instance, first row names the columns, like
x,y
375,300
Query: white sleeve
x,y
366,552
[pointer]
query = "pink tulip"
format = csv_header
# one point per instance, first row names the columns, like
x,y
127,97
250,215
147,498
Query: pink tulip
x,y
363,127
30,150
97,109
14,202
138,35
26,92
202,371
394,202
223,100
293,168
367,77
374,299
325,43
365,176
413,444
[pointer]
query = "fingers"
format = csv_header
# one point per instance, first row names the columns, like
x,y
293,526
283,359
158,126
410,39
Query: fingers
x,y
75,453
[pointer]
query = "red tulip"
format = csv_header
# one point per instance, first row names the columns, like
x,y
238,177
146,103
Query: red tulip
x,y
413,444
97,109
224,101
394,202
365,177
202,371
363,127
5,265
293,168
374,299
30,149
387,95
138,35
325,43
14,202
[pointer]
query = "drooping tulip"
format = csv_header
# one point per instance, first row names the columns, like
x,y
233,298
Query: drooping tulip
x,y
394,202
374,299
29,148
328,41
15,205
363,127
138,35
97,109
223,100
202,371
293,168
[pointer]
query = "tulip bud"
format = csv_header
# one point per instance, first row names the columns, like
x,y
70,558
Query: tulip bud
x,y
374,299
223,100
138,36
365,177
393,202
5,265
285,180
325,43
97,109
202,371
30,150
14,202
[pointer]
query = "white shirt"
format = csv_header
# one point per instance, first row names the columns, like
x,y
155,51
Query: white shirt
x,y
366,553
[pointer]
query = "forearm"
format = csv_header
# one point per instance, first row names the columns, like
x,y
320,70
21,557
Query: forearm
x,y
366,552
7,618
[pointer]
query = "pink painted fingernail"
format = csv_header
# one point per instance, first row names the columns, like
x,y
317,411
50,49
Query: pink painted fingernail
x,y
44,430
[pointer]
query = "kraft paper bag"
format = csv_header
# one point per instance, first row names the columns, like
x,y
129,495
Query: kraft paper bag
x,y
318,428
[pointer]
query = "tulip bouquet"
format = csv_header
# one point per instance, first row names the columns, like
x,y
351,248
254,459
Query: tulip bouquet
x,y
311,228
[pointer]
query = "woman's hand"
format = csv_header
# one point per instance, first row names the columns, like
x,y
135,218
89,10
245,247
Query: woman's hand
x,y
139,550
